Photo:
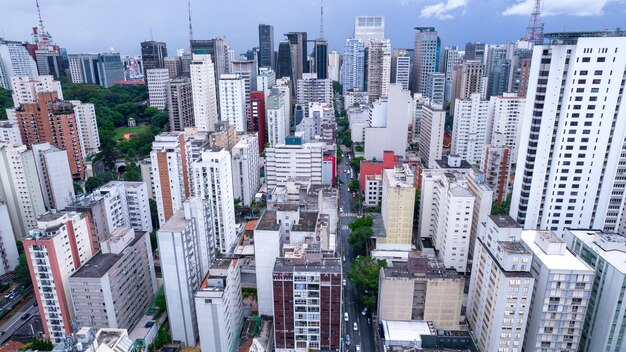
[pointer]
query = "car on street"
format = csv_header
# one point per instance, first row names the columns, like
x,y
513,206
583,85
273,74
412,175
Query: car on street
x,y
25,316
358,348
364,311
345,316
369,321
340,209
348,340
344,258
149,324
355,327
2,333
344,282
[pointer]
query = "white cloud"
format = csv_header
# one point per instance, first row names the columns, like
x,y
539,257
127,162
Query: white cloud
x,y
443,10
559,7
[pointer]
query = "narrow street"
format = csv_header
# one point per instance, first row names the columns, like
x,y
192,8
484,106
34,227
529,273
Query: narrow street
x,y
363,336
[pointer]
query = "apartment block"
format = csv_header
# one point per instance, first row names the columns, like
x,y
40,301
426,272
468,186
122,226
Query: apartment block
x,y
180,104
505,114
204,92
563,285
294,160
59,245
88,127
126,205
219,306
170,161
472,128
501,286
55,177
435,89
497,167
8,247
398,204
378,68
432,124
232,97
158,80
245,168
115,287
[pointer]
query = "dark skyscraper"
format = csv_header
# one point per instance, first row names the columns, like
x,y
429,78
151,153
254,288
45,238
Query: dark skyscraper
x,y
474,51
283,68
321,58
153,55
266,46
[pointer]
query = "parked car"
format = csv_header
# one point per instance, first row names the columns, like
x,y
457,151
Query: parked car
x,y
344,282
358,348
348,340
149,324
345,316
355,327
364,311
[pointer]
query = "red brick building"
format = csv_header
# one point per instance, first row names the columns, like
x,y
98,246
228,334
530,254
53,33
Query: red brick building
x,y
257,117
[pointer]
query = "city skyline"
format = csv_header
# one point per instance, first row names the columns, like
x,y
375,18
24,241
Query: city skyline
x,y
167,21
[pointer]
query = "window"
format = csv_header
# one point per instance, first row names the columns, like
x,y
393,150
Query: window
x,y
600,59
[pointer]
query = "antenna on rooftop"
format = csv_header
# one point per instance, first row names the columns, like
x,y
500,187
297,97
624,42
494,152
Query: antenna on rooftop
x,y
534,31
43,38
322,20
190,28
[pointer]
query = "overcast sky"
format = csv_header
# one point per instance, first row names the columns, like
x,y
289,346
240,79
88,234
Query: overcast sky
x,y
96,25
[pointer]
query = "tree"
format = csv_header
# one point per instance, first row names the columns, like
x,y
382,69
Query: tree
x,y
359,238
97,181
356,163
154,213
362,221
416,209
132,172
365,273
354,185
22,273
6,102
40,344
503,208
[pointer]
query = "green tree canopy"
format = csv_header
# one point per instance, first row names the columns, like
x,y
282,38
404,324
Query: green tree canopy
x,y
362,221
356,162
365,275
359,237
354,185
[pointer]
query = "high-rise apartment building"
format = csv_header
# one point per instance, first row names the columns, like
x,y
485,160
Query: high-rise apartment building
x,y
277,110
114,288
313,323
126,205
421,289
446,214
398,205
56,248
245,168
299,54
88,127
353,65
258,122
401,67
53,120
451,58
55,177
232,96
213,181
9,257
153,55
606,254
266,46
219,306
246,69
219,49
434,89
498,312
25,89
570,169
158,80
20,188
313,90
10,133
505,114
180,103
498,70
291,160
180,264
265,80
563,285
426,53
173,65
520,71
378,68
432,124
467,80
497,166
471,130
203,92
15,61
170,161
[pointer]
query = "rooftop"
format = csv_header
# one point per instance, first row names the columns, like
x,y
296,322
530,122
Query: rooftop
x,y
565,261
513,247
307,222
443,164
406,330
504,221
332,266
176,223
268,222
615,258
97,266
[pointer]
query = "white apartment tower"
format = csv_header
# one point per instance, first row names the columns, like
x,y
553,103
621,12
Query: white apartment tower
x,y
505,115
15,61
25,89
180,264
277,117
294,160
353,66
378,68
571,164
245,164
219,307
435,89
203,92
126,205
20,188
446,214
560,295
58,246
170,160
498,311
471,130
213,181
87,127
55,177
401,67
368,28
158,79
232,90
334,65
431,130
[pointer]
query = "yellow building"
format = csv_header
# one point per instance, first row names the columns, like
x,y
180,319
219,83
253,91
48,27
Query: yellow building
x,y
398,203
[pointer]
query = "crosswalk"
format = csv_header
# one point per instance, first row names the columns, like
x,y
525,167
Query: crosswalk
x,y
345,227
348,215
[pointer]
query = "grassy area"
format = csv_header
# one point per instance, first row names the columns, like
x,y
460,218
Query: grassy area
x,y
118,133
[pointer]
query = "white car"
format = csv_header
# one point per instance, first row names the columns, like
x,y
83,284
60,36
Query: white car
x,y
344,282
358,348
345,316
340,209
355,327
